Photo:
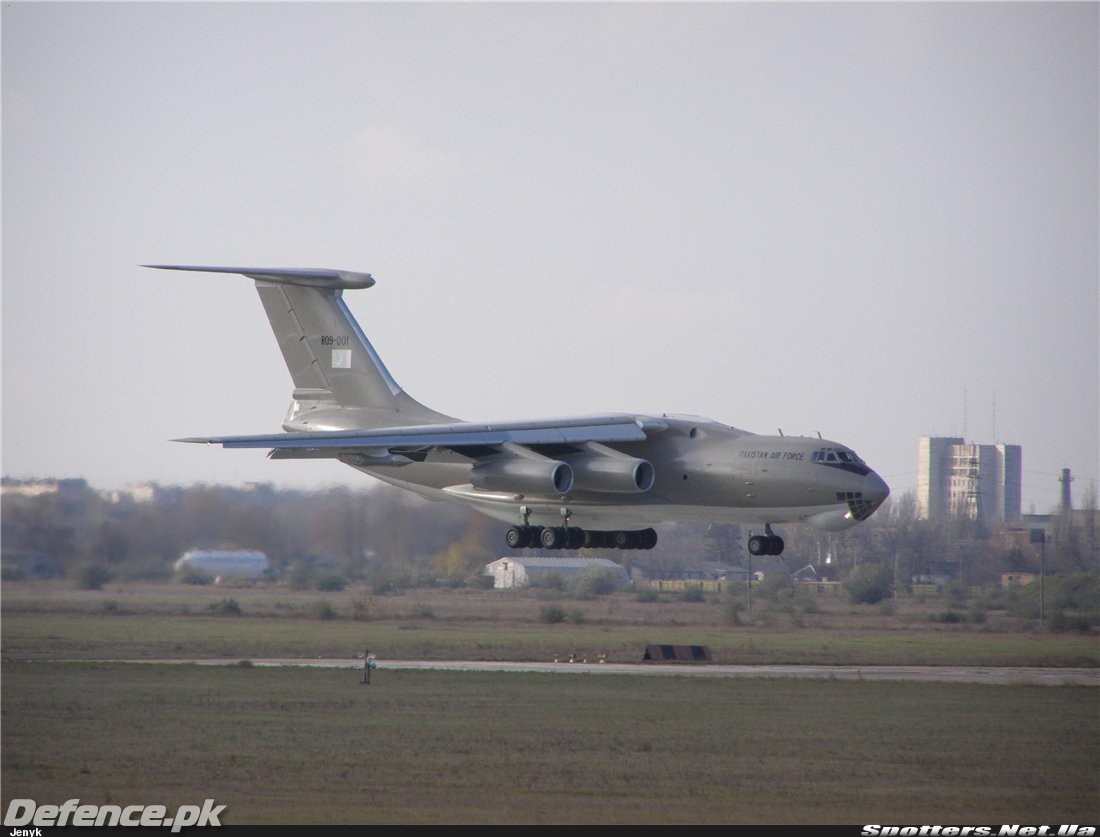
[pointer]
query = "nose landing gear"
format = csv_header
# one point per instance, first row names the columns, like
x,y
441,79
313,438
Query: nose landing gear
x,y
767,544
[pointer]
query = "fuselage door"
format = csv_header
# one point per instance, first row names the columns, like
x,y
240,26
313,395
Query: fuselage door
x,y
744,484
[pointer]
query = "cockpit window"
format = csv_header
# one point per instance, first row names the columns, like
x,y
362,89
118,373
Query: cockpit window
x,y
836,456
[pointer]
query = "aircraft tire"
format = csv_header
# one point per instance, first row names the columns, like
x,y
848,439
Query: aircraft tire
x,y
776,545
626,540
647,539
574,538
519,537
758,545
552,537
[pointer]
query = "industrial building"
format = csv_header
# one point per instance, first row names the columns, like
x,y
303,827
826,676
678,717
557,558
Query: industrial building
x,y
970,481
524,572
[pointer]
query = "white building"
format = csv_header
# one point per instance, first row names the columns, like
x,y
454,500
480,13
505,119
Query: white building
x,y
522,572
976,482
224,563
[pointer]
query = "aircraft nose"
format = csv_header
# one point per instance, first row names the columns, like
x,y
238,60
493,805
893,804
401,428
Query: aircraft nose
x,y
866,502
875,490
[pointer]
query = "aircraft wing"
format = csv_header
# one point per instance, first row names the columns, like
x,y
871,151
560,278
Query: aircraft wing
x,y
455,436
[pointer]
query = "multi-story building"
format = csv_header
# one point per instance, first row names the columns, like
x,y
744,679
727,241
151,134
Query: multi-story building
x,y
976,482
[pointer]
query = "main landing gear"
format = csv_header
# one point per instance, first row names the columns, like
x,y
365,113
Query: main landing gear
x,y
562,537
766,544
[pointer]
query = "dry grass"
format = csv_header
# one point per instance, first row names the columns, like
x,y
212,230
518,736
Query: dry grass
x,y
303,746
52,620
310,746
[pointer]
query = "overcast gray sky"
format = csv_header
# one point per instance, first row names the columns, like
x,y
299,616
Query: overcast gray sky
x,y
874,221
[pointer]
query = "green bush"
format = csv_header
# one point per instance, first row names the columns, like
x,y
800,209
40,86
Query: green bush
x,y
552,614
775,587
692,593
733,612
647,594
300,575
596,581
1075,592
957,593
92,576
358,610
190,575
322,610
947,617
548,581
869,583
1062,622
331,582
226,607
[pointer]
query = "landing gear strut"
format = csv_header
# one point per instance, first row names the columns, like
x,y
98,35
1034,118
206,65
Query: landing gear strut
x,y
766,544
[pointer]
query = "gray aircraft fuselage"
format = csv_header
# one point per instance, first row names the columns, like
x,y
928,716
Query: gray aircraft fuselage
x,y
703,472
597,481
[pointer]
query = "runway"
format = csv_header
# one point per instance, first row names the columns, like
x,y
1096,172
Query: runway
x,y
954,674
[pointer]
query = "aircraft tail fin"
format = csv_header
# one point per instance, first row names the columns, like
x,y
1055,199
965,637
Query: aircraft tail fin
x,y
340,382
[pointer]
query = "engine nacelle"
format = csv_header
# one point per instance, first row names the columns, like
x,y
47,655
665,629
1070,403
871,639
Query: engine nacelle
x,y
612,474
522,476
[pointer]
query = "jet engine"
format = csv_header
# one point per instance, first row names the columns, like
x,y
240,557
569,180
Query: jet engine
x,y
612,474
523,475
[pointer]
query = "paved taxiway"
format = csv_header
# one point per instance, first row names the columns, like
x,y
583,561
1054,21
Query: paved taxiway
x,y
957,674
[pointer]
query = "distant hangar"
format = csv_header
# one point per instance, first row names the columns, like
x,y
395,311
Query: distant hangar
x,y
523,572
237,563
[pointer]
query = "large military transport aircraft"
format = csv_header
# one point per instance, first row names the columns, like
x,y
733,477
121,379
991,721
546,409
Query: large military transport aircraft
x,y
562,483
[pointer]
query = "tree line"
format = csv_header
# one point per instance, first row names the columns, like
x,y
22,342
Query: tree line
x,y
390,538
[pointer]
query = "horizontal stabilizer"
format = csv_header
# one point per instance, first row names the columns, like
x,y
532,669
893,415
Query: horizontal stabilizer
x,y
311,277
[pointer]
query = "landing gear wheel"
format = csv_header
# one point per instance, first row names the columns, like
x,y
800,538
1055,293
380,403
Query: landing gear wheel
x,y
574,538
766,545
647,539
626,540
595,540
519,537
552,537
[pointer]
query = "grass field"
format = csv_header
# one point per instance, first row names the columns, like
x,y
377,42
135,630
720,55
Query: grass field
x,y
152,621
294,745
305,746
